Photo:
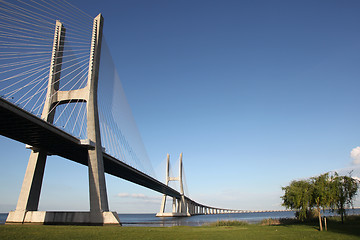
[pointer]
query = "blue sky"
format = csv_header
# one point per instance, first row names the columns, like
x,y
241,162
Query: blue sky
x,y
254,93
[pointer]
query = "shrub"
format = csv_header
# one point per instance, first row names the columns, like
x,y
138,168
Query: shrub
x,y
270,221
220,223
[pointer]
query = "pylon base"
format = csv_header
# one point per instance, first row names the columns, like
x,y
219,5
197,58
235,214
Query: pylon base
x,y
61,218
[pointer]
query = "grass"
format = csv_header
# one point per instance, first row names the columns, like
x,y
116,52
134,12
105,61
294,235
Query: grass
x,y
349,230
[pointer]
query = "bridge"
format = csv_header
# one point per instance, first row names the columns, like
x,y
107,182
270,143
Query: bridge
x,y
50,101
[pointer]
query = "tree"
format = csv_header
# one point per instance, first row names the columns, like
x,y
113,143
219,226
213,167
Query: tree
x,y
344,190
321,193
337,192
298,196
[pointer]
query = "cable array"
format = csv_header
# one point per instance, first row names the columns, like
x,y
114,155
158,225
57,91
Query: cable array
x,y
119,133
186,189
26,42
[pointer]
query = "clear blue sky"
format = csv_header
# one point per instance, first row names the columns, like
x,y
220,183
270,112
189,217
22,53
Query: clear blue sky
x,y
254,93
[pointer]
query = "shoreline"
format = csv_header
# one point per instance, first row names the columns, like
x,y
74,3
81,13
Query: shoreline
x,y
149,220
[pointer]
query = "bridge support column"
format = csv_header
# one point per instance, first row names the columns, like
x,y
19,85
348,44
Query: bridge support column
x,y
31,188
32,183
181,207
163,202
97,185
26,210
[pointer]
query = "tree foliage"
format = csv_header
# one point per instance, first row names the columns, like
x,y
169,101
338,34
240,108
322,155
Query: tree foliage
x,y
324,191
344,190
321,196
298,196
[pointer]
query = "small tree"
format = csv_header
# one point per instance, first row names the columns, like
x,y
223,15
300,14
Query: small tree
x,y
321,194
344,190
298,196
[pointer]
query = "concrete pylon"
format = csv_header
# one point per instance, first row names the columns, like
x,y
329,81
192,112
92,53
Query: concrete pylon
x,y
183,203
31,187
26,210
180,206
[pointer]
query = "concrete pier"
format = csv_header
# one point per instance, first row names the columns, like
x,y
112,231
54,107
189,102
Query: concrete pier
x,y
63,218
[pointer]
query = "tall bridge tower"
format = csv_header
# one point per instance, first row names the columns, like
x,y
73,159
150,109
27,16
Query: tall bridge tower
x,y
28,202
180,206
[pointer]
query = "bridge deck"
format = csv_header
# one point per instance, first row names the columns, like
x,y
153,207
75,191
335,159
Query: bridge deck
x,y
22,126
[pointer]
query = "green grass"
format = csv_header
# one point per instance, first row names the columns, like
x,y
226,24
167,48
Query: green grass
x,y
336,230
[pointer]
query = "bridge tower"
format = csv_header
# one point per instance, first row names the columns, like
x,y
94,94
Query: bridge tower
x,y
27,206
180,206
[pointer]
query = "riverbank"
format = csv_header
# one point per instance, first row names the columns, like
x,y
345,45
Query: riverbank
x,y
349,230
150,220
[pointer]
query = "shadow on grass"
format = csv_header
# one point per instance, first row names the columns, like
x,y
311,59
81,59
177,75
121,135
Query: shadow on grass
x,y
351,225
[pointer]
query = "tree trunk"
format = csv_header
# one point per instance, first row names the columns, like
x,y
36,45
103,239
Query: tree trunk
x,y
320,223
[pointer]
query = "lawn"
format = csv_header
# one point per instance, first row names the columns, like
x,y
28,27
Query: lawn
x,y
336,230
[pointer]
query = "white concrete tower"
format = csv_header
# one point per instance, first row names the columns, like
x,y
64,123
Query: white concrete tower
x,y
179,207
31,187
26,210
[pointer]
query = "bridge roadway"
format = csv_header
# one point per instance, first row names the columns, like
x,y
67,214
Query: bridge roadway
x,y
22,126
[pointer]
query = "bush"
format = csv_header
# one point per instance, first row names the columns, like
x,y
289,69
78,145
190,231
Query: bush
x,y
220,223
270,221
278,221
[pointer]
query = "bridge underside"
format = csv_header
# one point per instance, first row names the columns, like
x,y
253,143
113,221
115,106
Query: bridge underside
x,y
19,125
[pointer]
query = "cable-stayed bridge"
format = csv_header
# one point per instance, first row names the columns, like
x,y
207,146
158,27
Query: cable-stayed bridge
x,y
52,81
61,95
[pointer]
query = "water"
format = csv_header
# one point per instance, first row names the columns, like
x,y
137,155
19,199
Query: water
x,y
150,220
3,217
